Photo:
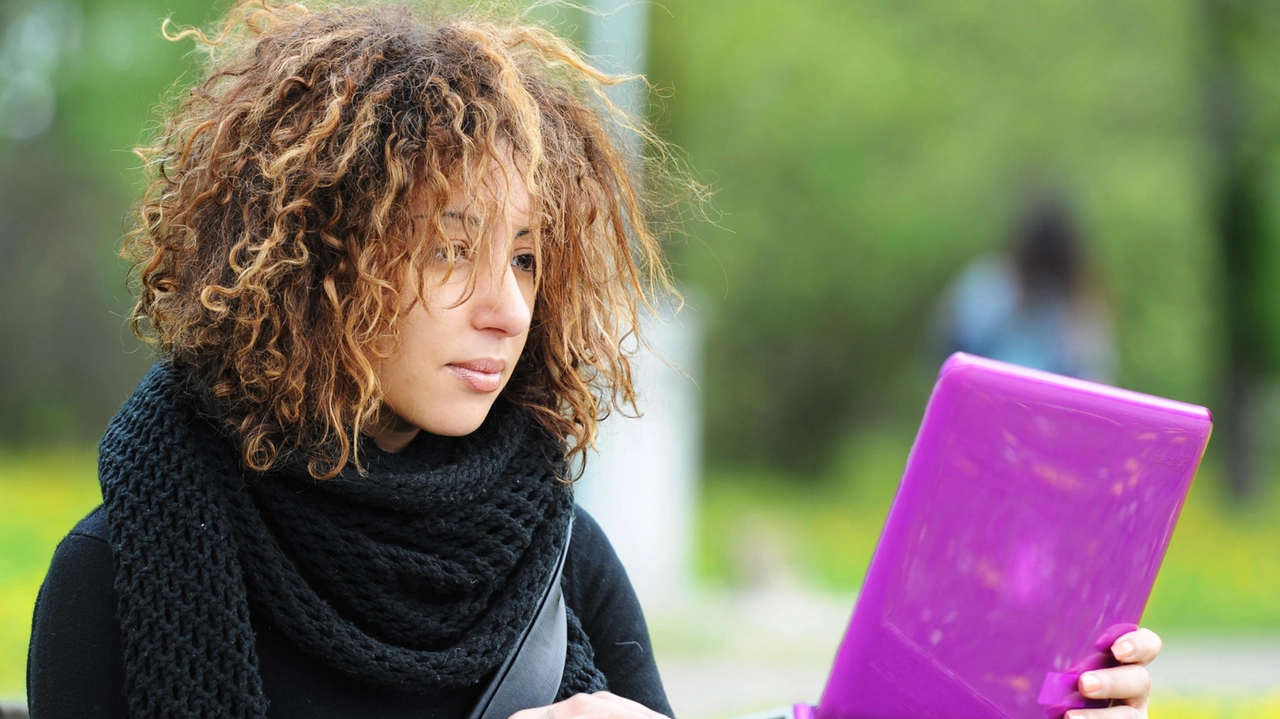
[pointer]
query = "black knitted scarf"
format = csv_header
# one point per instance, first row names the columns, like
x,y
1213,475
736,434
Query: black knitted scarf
x,y
418,575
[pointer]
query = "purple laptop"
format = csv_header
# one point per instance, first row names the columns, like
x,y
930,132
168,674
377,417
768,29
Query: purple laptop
x,y
1024,538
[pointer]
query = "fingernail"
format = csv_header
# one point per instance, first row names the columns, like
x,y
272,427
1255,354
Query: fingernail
x,y
1089,683
1122,650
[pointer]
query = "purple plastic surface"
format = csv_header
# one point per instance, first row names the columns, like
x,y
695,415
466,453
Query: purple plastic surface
x,y
801,711
1025,537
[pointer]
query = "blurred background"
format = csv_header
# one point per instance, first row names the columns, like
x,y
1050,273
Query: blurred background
x,y
1086,186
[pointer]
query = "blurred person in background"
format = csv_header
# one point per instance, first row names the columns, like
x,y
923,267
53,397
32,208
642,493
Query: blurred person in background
x,y
1033,304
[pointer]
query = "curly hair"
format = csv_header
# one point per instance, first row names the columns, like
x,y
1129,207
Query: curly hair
x,y
281,202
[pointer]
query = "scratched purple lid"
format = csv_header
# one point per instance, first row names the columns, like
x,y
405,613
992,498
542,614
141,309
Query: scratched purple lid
x,y
1026,534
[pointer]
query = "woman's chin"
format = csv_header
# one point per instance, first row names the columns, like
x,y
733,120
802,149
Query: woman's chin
x,y
459,419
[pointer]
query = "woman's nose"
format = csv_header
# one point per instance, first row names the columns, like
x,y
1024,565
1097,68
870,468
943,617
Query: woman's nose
x,y
501,300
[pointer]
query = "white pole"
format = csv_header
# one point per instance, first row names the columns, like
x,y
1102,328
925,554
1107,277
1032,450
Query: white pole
x,y
641,483
617,38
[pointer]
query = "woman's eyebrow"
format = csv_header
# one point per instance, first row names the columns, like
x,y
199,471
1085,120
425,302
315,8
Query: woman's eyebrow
x,y
471,220
450,215
454,215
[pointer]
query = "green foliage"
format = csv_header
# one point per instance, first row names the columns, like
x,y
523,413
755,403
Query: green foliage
x,y
864,151
68,359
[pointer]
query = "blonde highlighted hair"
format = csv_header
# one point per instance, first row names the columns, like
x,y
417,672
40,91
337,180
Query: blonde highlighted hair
x,y
280,213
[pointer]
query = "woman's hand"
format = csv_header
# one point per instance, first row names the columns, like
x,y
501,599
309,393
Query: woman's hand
x,y
1128,684
601,705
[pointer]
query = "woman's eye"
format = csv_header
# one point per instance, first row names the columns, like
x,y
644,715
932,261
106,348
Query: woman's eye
x,y
460,252
525,261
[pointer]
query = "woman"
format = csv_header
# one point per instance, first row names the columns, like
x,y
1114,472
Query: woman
x,y
1033,305
388,262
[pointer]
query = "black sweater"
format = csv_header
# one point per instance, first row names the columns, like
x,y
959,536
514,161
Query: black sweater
x,y
74,668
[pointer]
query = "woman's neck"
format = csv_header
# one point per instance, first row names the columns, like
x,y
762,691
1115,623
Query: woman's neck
x,y
391,432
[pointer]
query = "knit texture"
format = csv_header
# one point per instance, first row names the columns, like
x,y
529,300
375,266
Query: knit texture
x,y
420,574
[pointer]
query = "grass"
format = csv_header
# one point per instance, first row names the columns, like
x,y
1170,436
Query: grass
x,y
42,497
1247,708
1218,576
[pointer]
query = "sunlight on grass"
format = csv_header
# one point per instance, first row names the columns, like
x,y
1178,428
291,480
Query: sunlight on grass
x,y
1246,708
1218,575
1222,568
43,496
1215,577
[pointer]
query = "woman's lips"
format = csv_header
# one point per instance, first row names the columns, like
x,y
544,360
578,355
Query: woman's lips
x,y
482,375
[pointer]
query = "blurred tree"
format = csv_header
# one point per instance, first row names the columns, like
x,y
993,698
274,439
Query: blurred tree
x,y
865,151
64,364
1239,36
78,83
78,79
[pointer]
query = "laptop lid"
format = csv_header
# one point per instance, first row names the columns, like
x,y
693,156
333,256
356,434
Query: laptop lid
x,y
1025,537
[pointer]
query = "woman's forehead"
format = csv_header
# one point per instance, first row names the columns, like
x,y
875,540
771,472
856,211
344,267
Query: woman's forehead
x,y
501,193
478,213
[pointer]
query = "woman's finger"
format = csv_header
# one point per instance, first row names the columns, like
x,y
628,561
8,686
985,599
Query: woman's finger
x,y
634,705
601,705
1137,647
1128,681
1120,712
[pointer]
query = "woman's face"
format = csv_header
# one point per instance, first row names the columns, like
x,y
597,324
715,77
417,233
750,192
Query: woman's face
x,y
459,348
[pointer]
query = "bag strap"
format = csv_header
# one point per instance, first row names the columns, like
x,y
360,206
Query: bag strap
x,y
530,675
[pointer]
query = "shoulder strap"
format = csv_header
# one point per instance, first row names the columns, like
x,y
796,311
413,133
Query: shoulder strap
x,y
530,676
